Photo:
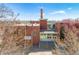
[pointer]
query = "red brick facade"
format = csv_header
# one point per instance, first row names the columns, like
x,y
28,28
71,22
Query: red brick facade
x,y
67,24
34,31
43,25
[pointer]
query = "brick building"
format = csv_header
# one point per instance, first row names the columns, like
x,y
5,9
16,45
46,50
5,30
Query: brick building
x,y
33,30
43,22
68,24
43,25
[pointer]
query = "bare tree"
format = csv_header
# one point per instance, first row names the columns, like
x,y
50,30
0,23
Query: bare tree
x,y
8,42
6,13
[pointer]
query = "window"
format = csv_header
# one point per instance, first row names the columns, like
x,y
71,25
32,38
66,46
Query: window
x,y
49,37
53,37
43,36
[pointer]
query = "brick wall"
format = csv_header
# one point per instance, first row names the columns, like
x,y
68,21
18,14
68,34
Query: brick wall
x,y
43,25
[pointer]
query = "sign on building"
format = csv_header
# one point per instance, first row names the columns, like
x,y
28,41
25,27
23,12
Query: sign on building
x,y
27,37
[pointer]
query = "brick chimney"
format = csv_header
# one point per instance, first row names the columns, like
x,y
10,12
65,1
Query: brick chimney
x,y
41,13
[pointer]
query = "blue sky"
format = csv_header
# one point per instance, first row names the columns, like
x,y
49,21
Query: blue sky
x,y
52,11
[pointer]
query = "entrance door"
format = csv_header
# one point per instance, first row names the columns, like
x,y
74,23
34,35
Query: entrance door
x,y
36,38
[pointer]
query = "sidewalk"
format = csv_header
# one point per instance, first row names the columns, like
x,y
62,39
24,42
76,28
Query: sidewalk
x,y
39,51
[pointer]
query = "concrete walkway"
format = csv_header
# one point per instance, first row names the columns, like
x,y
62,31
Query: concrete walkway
x,y
39,51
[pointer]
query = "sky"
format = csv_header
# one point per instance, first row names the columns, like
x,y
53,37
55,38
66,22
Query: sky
x,y
52,11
